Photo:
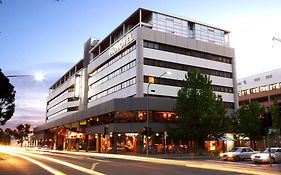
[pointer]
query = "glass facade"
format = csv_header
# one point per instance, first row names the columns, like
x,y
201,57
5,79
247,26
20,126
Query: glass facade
x,y
188,29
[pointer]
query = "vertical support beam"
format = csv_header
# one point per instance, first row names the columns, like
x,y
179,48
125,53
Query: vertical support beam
x,y
139,63
140,17
235,89
124,28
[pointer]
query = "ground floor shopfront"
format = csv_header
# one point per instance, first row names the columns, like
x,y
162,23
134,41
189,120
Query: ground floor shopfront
x,y
126,138
116,126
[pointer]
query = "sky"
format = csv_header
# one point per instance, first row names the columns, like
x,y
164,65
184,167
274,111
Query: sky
x,y
48,36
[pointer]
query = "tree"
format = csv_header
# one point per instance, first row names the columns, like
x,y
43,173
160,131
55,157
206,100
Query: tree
x,y
22,131
7,99
275,110
5,136
202,113
248,122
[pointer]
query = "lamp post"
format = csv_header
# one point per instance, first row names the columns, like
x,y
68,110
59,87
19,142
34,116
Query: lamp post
x,y
38,76
147,110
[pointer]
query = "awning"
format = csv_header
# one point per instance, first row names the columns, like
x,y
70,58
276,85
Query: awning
x,y
225,138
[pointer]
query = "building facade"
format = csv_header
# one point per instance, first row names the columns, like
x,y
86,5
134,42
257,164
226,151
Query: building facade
x,y
264,88
102,103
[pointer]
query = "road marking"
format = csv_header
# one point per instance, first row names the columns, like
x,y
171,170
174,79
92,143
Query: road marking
x,y
94,166
51,170
98,160
73,166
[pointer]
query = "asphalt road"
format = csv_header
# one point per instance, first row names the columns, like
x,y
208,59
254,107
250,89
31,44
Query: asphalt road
x,y
78,164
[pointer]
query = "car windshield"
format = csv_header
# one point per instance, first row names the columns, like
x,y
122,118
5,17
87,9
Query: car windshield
x,y
234,150
271,151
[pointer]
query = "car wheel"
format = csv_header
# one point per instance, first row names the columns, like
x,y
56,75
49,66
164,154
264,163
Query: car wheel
x,y
236,158
272,160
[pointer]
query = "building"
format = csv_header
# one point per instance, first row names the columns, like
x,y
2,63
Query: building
x,y
101,102
264,88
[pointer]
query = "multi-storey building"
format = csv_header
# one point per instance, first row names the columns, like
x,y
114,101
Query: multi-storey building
x,y
106,92
264,88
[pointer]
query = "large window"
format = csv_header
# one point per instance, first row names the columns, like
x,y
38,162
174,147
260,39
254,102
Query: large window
x,y
114,74
178,83
113,89
183,67
183,51
113,60
189,29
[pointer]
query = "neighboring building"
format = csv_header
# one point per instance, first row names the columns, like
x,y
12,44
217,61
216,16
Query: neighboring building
x,y
106,91
264,88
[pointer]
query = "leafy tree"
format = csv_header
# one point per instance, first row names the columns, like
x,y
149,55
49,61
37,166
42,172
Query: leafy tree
x,y
22,131
202,113
7,99
5,136
248,123
276,115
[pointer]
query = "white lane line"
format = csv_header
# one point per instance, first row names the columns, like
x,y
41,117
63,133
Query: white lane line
x,y
56,154
94,166
51,170
98,160
73,166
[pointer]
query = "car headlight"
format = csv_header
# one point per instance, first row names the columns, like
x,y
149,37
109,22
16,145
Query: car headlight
x,y
230,155
221,154
264,156
252,156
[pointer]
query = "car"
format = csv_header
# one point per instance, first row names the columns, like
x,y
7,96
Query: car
x,y
238,153
263,157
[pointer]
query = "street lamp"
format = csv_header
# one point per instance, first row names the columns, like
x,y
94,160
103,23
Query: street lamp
x,y
147,110
38,76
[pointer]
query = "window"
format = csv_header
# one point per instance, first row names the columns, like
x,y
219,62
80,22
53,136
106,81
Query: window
x,y
184,51
268,76
169,65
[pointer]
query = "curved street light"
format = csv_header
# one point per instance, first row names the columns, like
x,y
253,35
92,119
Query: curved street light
x,y
38,76
147,110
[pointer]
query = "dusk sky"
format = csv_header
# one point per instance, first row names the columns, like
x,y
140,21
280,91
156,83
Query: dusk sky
x,y
48,36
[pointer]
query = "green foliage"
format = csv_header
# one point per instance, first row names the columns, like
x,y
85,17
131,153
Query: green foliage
x,y
276,117
5,136
22,131
202,113
247,120
7,99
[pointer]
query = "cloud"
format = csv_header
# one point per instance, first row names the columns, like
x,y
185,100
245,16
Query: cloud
x,y
31,95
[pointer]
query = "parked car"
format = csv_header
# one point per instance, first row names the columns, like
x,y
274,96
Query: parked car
x,y
238,153
264,156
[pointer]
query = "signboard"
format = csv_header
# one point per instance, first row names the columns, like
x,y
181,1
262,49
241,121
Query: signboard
x,y
125,41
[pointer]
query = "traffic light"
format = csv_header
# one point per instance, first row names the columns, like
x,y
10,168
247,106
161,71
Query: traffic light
x,y
106,131
144,131
262,120
265,120
268,118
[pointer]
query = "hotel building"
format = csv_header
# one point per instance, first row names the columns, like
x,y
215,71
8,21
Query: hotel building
x,y
101,103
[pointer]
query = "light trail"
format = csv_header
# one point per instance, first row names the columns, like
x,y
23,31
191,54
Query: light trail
x,y
191,164
51,170
73,166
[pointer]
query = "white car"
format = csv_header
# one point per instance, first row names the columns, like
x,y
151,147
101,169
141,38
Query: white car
x,y
238,153
264,156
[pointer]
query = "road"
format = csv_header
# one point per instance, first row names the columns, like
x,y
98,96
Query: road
x,y
34,162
